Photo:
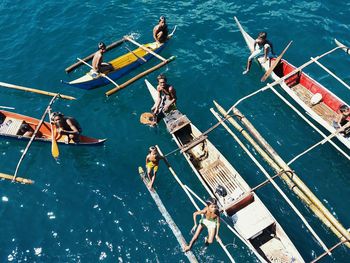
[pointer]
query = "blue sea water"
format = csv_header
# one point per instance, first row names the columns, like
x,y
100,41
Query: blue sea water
x,y
90,205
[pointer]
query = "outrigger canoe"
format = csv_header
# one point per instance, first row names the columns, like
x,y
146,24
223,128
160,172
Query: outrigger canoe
x,y
11,125
319,102
250,218
122,66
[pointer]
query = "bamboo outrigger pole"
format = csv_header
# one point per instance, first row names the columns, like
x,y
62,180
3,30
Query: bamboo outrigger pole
x,y
33,136
144,48
142,74
52,94
86,59
17,179
294,182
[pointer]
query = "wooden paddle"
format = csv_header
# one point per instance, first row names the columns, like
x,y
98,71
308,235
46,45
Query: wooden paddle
x,y
12,86
86,59
275,63
54,147
103,75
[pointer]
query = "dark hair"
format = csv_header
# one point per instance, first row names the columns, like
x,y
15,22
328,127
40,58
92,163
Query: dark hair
x,y
262,35
101,45
55,114
162,18
343,108
161,76
211,200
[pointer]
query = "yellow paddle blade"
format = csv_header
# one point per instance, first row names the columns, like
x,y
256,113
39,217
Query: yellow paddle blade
x,y
54,149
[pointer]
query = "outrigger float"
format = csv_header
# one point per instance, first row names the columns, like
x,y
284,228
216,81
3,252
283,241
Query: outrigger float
x,y
318,101
121,65
251,220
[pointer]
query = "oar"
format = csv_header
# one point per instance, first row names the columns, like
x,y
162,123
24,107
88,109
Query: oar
x,y
54,147
103,75
275,63
33,136
132,52
86,59
12,86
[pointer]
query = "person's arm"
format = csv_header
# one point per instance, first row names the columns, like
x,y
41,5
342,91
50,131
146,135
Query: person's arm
x,y
217,228
74,129
147,158
155,32
173,101
159,99
199,212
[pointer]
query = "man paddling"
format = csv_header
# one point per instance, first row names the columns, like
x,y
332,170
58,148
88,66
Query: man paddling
x,y
152,163
160,31
262,47
97,61
166,100
210,219
66,126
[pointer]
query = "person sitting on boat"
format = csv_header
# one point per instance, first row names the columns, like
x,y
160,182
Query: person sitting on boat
x,y
210,219
166,101
262,47
98,65
26,130
342,119
160,31
66,126
152,163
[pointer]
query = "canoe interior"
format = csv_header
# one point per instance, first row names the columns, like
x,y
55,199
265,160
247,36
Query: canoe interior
x,y
10,125
305,87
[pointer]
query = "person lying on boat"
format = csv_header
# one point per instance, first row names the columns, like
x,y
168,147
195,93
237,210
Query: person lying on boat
x,y
342,119
262,47
98,66
166,101
160,31
210,219
66,126
152,162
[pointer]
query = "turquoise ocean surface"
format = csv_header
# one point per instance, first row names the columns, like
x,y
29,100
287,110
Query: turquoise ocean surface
x,y
91,205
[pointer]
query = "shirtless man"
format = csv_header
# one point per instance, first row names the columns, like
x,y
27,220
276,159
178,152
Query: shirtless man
x,y
166,98
152,163
262,47
66,126
97,61
343,119
160,31
211,220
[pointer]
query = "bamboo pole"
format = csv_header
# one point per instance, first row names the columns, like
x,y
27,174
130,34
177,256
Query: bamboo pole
x,y
296,184
279,190
7,108
17,179
33,136
144,48
86,59
343,47
52,94
142,74
138,57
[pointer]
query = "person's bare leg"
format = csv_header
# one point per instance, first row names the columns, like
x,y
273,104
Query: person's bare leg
x,y
194,238
150,185
211,234
249,64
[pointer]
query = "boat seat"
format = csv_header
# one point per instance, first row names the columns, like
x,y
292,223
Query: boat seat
x,y
10,126
238,204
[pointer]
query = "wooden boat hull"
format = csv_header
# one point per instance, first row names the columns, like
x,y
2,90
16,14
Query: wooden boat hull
x,y
250,218
12,122
122,65
302,88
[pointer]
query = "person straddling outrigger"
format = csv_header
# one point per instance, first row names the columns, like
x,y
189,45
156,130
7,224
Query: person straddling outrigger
x,y
166,100
66,126
160,31
211,220
262,47
342,119
98,66
152,163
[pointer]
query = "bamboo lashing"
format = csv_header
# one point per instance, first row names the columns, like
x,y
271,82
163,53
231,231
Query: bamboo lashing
x,y
301,190
52,94
86,59
281,173
33,136
142,74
